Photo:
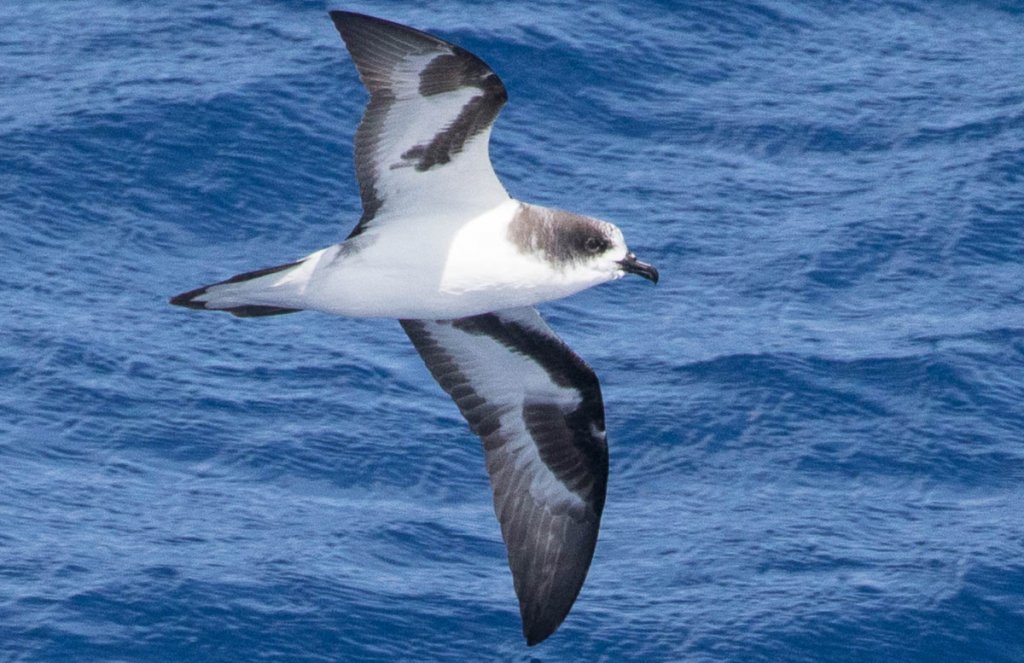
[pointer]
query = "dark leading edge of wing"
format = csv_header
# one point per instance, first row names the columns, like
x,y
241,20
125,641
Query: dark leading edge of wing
x,y
403,132
537,408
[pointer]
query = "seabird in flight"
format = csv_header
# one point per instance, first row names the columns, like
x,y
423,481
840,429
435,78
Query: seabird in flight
x,y
443,248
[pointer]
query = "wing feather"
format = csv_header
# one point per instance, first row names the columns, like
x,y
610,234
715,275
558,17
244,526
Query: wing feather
x,y
537,408
422,146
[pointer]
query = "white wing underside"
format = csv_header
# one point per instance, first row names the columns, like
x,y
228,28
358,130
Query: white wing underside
x,y
422,148
536,406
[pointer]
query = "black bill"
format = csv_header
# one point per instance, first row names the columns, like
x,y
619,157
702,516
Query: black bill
x,y
633,266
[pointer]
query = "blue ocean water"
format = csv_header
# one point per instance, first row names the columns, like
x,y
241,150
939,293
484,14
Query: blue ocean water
x,y
815,421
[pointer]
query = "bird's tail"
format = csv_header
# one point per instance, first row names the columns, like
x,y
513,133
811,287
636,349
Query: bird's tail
x,y
269,291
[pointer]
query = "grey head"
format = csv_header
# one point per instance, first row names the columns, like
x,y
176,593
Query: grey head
x,y
568,240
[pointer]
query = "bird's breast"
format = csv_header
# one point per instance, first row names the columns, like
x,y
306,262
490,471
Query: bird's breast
x,y
439,269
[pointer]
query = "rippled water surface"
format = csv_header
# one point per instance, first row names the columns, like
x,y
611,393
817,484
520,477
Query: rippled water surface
x,y
815,420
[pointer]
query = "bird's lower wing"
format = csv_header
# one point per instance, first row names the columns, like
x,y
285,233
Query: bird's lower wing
x,y
537,408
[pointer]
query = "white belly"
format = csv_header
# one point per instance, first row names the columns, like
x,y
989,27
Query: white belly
x,y
406,273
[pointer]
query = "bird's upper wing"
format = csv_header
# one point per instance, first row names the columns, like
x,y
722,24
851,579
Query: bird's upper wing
x,y
422,146
537,408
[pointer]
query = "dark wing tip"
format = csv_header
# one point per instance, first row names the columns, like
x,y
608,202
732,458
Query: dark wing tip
x,y
375,42
535,636
539,630
344,21
355,27
547,595
542,616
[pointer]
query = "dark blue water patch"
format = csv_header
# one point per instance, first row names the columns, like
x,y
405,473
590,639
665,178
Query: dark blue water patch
x,y
412,543
862,258
993,233
160,616
823,417
190,158
972,131
1005,168
884,634
993,594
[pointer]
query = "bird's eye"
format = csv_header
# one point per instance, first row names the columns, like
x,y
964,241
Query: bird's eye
x,y
593,245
